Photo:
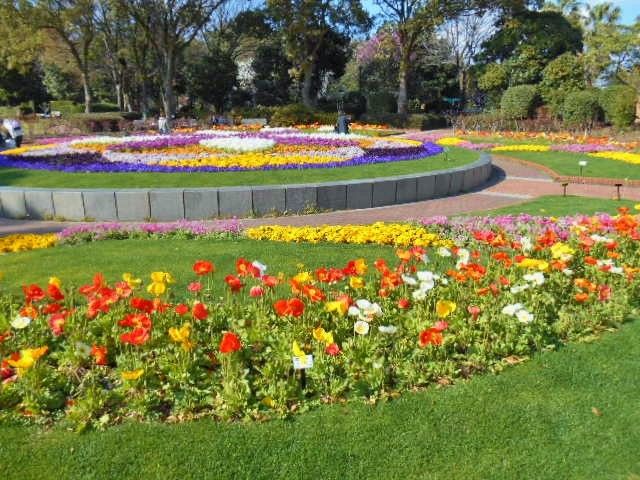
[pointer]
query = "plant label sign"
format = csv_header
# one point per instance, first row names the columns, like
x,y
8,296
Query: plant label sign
x,y
302,363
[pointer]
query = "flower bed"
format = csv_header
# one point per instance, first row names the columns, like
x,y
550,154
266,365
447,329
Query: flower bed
x,y
477,296
215,151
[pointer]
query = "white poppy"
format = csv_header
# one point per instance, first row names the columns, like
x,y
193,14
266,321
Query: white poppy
x,y
361,327
390,329
20,322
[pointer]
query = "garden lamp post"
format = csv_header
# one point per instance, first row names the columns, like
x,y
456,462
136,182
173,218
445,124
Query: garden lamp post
x,y
582,164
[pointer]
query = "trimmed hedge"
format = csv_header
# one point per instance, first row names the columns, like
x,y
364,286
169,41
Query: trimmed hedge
x,y
619,105
581,109
519,102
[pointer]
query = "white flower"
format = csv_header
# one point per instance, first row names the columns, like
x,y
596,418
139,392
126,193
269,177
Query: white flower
x,y
365,310
260,266
390,329
523,316
427,276
443,252
512,309
526,244
425,258
239,144
83,349
361,327
568,272
419,295
519,288
20,322
463,257
409,280
617,270
600,239
536,278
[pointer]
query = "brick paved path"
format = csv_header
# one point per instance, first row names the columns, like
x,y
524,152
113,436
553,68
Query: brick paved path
x,y
511,183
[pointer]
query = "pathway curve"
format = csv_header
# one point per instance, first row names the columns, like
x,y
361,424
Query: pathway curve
x,y
511,183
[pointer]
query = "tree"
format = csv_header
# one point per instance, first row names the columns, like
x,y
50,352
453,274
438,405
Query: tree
x,y
560,77
170,26
72,21
306,26
411,19
212,77
271,79
465,35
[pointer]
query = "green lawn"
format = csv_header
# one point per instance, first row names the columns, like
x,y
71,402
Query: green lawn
x,y
534,421
565,163
77,264
39,178
557,206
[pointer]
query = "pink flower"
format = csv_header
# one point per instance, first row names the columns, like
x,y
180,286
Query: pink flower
x,y
256,291
194,287
441,326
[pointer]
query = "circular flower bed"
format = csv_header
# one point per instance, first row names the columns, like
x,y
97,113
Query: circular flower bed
x,y
215,151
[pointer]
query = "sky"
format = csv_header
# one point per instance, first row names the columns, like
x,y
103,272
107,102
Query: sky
x,y
630,8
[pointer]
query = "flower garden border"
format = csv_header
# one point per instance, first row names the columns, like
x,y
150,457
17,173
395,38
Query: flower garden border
x,y
170,204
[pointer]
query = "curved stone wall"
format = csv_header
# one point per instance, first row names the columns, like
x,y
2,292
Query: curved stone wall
x,y
168,204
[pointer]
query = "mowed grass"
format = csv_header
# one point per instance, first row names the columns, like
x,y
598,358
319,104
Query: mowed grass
x,y
557,206
565,163
571,414
76,264
39,178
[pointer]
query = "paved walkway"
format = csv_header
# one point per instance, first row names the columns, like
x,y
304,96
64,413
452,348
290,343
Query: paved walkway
x,y
511,183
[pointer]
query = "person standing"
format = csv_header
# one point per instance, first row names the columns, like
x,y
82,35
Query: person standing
x,y
14,128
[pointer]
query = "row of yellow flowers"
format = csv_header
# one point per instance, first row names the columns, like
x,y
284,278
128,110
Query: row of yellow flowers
x,y
626,157
398,234
22,242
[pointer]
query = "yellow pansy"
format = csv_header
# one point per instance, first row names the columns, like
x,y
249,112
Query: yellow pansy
x,y
323,336
356,282
157,288
444,308
534,264
28,358
181,335
131,280
132,374
562,251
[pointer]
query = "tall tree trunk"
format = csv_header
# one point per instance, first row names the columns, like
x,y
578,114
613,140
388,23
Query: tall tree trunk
x,y
87,91
144,104
402,85
307,83
168,96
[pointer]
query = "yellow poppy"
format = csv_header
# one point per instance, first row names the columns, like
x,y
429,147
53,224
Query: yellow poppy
x,y
132,374
444,308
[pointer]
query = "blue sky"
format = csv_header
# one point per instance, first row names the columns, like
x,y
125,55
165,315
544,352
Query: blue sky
x,y
630,8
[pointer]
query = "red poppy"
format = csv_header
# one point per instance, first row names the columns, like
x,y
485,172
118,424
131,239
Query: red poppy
x,y
430,336
475,311
137,320
100,354
234,283
256,291
33,293
230,343
332,349
159,306
604,293
203,267
137,336
293,307
245,268
332,275
4,336
29,311
56,324
269,281
6,372
123,290
194,287
90,290
404,303
51,308
142,304
181,309
54,292
96,306
199,311
313,293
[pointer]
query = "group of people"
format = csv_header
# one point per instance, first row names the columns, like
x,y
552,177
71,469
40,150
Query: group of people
x,y
10,132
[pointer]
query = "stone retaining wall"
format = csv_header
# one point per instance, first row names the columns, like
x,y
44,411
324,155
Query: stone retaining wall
x,y
168,204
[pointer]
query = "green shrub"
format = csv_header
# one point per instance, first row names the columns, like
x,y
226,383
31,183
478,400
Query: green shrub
x,y
355,103
581,109
519,102
619,105
381,102
259,111
102,107
325,118
289,115
66,107
562,75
